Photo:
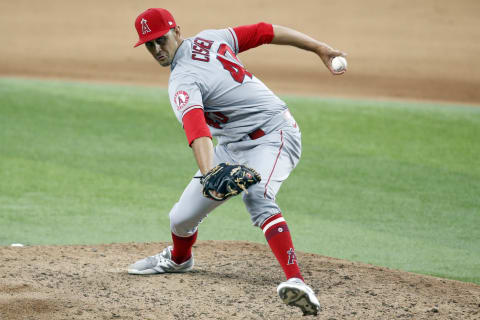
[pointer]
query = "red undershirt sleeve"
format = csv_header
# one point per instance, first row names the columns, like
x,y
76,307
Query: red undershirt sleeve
x,y
254,35
195,125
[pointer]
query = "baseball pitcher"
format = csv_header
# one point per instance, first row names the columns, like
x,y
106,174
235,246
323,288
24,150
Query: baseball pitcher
x,y
259,143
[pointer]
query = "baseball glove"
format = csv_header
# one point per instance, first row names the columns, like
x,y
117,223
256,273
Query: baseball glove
x,y
228,180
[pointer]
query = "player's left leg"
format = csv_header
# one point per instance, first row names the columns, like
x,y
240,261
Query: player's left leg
x,y
274,161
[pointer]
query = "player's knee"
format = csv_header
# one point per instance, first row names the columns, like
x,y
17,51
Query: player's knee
x,y
182,228
181,224
260,207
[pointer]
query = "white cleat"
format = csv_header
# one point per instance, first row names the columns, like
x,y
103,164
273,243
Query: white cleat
x,y
294,292
160,263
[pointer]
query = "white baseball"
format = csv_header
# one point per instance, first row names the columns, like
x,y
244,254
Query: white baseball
x,y
339,64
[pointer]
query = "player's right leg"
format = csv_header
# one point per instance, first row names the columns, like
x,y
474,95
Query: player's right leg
x,y
185,216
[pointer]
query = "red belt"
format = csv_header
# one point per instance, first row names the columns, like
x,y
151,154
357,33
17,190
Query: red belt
x,y
256,134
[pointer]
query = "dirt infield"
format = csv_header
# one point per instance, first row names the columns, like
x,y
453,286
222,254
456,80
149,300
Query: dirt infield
x,y
232,280
426,50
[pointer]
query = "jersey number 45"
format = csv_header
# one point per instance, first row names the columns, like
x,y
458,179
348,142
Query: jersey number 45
x,y
237,71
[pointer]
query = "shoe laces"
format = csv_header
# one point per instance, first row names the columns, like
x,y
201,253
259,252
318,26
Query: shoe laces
x,y
158,259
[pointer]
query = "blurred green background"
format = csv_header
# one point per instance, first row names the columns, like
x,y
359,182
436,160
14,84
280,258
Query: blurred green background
x,y
394,184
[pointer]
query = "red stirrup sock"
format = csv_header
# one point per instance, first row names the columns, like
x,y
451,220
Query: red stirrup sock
x,y
182,247
278,237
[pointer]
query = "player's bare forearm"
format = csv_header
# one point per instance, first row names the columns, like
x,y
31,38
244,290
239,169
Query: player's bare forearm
x,y
287,36
203,151
291,37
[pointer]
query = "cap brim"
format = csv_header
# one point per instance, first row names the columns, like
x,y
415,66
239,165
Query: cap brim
x,y
151,37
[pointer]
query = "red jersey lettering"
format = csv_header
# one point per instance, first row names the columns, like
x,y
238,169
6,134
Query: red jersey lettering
x,y
215,119
237,71
201,49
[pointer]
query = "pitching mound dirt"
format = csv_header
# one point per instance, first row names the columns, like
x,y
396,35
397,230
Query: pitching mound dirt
x,y
231,280
397,49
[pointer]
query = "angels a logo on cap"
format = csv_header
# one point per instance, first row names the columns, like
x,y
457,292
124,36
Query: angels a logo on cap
x,y
145,28
181,99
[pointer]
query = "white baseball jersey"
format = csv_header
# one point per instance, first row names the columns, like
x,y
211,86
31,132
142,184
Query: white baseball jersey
x,y
205,73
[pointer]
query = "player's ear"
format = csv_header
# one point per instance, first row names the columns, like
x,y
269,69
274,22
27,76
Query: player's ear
x,y
177,32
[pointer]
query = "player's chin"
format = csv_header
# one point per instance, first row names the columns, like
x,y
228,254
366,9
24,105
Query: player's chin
x,y
164,63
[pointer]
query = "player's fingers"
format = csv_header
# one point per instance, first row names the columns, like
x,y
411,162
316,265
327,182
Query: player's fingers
x,y
328,63
327,60
338,53
335,73
330,59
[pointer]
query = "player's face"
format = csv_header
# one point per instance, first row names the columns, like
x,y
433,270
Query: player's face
x,y
163,49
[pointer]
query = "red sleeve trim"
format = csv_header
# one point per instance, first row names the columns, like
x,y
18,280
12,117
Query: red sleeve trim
x,y
253,35
234,41
195,125
190,108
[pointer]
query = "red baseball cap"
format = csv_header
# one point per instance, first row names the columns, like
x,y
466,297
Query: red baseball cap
x,y
152,24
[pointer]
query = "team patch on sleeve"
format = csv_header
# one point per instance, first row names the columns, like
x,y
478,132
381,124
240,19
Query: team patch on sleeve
x,y
181,99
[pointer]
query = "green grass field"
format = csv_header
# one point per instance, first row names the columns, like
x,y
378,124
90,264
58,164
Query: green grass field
x,y
391,184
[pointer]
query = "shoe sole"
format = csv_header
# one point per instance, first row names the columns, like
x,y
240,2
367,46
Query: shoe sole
x,y
142,272
296,297
153,271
